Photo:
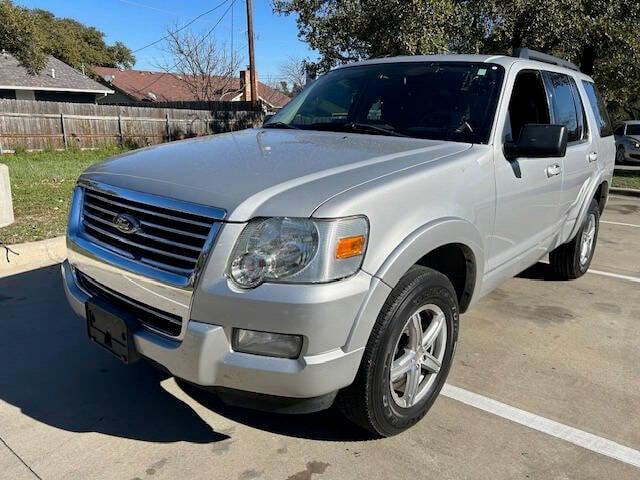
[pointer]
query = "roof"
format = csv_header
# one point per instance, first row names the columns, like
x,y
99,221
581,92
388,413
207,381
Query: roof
x,y
170,87
505,60
14,76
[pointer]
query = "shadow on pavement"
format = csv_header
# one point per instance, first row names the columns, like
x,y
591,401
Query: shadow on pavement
x,y
328,425
53,374
50,371
539,271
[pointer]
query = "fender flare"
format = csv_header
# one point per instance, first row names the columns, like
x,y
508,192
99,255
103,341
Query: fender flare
x,y
415,246
603,177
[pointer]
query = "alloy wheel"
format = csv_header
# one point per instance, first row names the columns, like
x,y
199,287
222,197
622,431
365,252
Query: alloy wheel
x,y
587,241
418,355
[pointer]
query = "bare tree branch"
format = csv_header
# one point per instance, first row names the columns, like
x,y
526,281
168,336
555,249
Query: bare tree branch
x,y
207,68
294,73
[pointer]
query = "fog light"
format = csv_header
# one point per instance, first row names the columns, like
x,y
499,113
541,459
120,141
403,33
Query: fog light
x,y
265,343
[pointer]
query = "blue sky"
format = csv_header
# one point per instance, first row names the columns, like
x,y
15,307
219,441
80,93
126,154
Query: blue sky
x,y
139,22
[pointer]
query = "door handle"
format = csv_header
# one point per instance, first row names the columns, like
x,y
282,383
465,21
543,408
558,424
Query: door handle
x,y
553,170
593,156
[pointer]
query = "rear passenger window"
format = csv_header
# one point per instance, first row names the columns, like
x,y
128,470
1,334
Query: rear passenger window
x,y
598,108
563,105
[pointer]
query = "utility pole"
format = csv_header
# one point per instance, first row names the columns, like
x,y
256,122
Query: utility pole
x,y
252,59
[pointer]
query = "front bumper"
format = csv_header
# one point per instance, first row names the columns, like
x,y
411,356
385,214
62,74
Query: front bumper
x,y
632,156
203,354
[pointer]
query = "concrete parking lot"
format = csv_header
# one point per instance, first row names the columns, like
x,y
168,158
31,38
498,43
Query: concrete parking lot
x,y
545,384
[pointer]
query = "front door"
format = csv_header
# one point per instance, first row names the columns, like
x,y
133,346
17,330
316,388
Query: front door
x,y
527,189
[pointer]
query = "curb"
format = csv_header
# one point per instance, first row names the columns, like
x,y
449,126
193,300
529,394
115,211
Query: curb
x,y
33,255
627,192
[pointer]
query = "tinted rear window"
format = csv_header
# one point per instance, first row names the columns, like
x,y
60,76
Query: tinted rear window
x,y
633,129
564,106
599,109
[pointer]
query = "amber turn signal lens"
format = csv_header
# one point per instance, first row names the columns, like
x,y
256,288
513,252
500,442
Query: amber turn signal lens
x,y
350,247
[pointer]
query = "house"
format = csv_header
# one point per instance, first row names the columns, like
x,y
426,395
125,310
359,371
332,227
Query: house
x,y
57,82
144,86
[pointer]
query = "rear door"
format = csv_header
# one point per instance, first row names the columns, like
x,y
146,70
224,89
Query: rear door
x,y
603,130
579,164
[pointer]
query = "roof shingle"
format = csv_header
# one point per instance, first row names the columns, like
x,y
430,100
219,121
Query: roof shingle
x,y
15,76
169,87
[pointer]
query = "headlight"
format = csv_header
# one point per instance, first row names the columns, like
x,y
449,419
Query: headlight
x,y
298,250
636,145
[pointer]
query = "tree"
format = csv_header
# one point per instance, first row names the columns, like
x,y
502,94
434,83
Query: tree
x,y
348,30
18,35
293,73
31,35
598,35
207,68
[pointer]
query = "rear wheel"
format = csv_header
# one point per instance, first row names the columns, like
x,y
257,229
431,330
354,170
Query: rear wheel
x,y
572,260
408,355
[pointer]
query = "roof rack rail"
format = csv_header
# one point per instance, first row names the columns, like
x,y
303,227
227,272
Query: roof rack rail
x,y
543,57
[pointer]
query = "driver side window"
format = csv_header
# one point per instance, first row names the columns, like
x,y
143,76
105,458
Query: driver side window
x,y
528,103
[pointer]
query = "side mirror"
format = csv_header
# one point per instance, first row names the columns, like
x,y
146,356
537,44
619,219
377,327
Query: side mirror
x,y
538,141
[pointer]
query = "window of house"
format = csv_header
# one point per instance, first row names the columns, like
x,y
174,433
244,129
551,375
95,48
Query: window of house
x,y
8,94
528,102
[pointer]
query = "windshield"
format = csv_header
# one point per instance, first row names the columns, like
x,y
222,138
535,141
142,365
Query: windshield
x,y
453,101
633,129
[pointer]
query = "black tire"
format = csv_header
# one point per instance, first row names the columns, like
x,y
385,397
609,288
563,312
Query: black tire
x,y
565,260
368,402
620,155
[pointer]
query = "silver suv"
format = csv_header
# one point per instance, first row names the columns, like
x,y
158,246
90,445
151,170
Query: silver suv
x,y
327,255
627,137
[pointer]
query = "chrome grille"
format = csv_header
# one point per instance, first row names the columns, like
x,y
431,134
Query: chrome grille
x,y
152,317
168,235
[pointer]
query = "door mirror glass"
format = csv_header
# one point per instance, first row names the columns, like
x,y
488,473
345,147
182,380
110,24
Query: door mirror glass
x,y
538,141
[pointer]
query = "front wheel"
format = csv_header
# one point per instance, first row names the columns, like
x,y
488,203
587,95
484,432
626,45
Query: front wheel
x,y
408,355
620,155
572,260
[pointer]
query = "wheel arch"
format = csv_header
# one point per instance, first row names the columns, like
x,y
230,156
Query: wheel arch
x,y
449,244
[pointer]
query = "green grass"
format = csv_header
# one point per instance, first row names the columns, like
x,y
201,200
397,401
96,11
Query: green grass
x,y
627,179
41,185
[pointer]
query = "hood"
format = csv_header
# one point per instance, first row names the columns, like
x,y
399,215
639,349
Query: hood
x,y
633,138
266,172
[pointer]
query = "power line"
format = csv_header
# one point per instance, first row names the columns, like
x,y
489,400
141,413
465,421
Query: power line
x,y
191,22
196,46
142,5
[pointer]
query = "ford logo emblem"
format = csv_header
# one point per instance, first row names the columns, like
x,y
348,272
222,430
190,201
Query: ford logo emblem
x,y
126,223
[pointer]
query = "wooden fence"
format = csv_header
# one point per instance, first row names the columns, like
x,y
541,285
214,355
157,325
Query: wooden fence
x,y
33,125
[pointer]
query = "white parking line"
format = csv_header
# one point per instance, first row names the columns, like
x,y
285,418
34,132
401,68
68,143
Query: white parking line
x,y
550,427
620,223
614,275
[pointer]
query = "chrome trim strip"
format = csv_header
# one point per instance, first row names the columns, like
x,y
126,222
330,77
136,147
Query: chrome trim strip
x,y
139,245
143,210
150,224
146,235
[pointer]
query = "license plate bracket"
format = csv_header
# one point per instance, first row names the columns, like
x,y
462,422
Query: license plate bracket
x,y
112,328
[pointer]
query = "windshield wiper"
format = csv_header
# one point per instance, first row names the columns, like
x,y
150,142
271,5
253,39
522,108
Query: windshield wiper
x,y
368,128
279,125
355,127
